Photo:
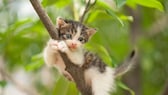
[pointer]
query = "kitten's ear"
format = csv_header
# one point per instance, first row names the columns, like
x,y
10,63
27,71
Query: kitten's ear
x,y
91,32
60,22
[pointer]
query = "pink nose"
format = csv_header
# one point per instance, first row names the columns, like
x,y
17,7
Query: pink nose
x,y
73,45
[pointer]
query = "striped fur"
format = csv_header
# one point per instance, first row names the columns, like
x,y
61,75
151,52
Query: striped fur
x,y
73,34
97,74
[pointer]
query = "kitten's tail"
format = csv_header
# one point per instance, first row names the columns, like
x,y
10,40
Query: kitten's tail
x,y
127,64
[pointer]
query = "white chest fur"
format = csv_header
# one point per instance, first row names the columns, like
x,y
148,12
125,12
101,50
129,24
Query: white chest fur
x,y
77,57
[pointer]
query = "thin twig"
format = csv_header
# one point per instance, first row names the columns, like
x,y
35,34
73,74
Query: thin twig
x,y
87,8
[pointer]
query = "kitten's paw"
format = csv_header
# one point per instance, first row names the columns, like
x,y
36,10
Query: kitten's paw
x,y
62,46
53,44
68,76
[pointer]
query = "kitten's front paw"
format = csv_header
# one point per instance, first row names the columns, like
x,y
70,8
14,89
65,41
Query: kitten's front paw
x,y
68,76
53,44
62,46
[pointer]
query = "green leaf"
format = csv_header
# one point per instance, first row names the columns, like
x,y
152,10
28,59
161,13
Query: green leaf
x,y
126,18
59,3
72,90
123,86
3,83
101,5
61,87
48,2
36,63
120,3
147,3
111,13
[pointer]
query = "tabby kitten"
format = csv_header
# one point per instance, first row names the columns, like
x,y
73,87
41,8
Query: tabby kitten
x,y
71,40
73,36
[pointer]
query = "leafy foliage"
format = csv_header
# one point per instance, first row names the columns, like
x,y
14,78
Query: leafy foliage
x,y
22,41
120,3
122,85
147,3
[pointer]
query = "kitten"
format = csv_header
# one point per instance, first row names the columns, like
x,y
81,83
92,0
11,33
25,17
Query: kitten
x,y
66,33
73,36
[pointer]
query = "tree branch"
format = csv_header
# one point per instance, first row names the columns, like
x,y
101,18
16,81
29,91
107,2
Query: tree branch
x,y
87,8
45,19
76,72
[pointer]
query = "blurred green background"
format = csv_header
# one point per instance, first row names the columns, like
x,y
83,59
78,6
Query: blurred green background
x,y
121,24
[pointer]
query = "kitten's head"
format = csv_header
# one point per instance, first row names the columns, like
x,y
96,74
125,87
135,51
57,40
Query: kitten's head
x,y
74,33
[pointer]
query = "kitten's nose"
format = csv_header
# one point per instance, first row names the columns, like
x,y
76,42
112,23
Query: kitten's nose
x,y
73,45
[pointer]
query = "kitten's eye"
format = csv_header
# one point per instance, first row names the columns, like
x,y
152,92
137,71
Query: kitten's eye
x,y
80,39
68,36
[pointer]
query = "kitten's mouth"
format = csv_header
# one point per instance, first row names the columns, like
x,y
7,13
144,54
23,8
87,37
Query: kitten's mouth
x,y
73,47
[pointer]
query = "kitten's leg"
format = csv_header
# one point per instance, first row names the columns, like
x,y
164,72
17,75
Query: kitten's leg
x,y
101,83
51,53
53,58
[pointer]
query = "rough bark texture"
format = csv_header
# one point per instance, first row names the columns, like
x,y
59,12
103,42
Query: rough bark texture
x,y
76,72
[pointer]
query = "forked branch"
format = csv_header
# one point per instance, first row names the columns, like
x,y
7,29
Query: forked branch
x,y
88,6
